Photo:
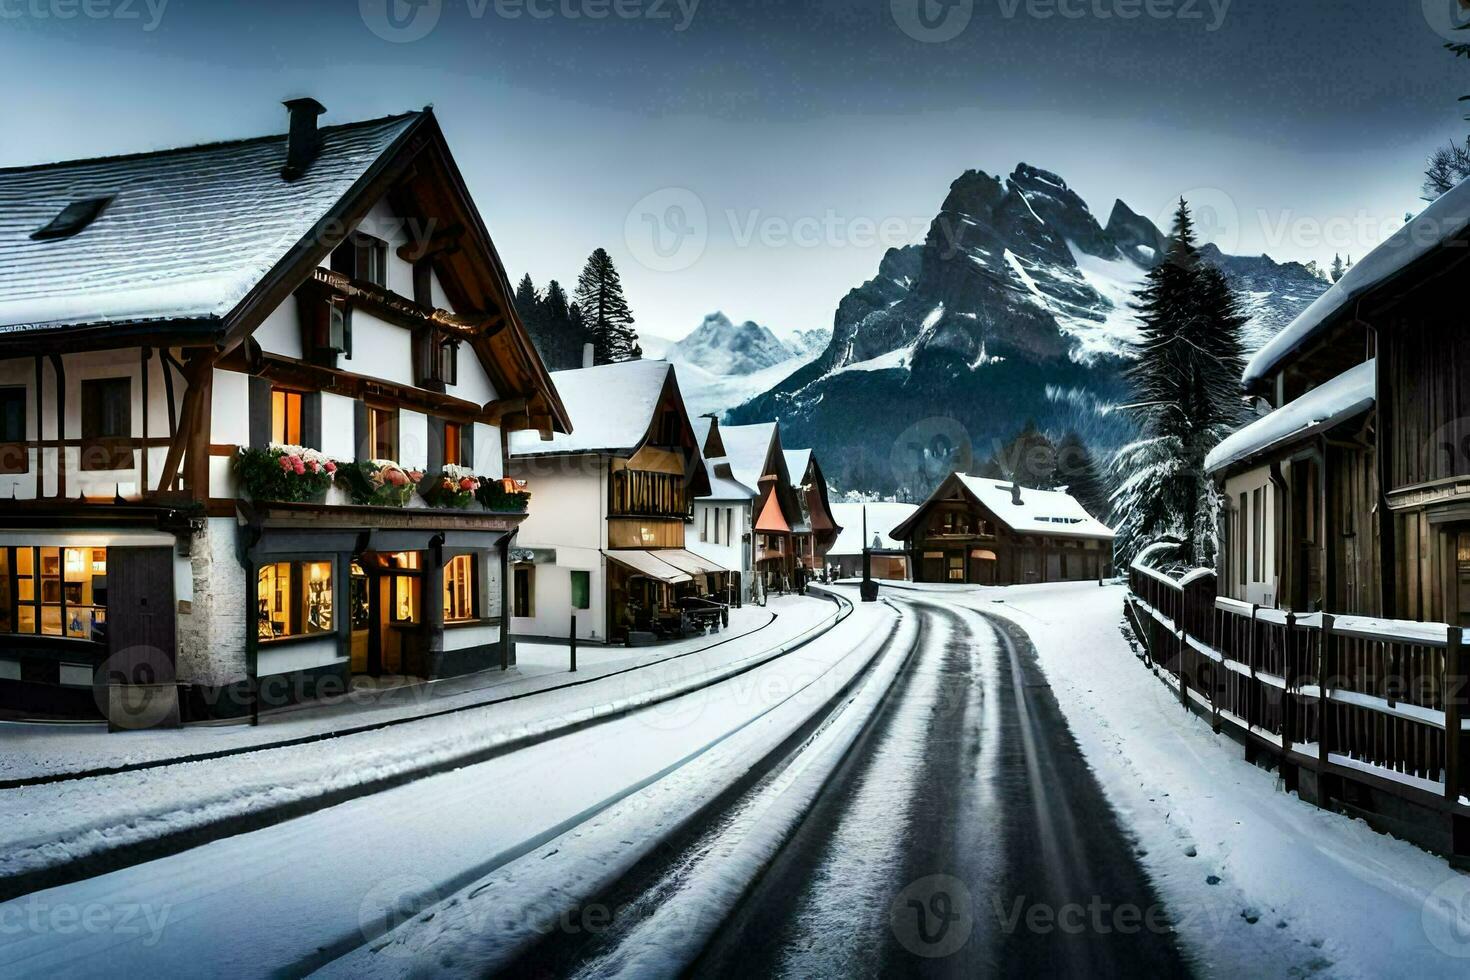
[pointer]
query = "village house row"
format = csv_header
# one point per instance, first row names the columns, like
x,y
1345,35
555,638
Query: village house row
x,y
269,421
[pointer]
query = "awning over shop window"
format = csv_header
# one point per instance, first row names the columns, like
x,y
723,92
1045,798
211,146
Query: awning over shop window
x,y
646,563
688,561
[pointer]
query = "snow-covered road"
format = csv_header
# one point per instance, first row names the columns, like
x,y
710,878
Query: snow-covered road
x,y
296,895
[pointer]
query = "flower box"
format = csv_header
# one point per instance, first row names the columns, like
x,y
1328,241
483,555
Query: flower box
x,y
504,496
378,482
293,474
454,486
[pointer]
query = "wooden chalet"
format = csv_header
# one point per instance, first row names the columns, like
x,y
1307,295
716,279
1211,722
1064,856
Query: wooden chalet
x,y
990,532
1329,639
816,529
616,496
327,295
757,460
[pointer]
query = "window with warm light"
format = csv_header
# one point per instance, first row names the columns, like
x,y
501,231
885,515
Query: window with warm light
x,y
459,589
285,417
54,592
454,445
295,599
383,433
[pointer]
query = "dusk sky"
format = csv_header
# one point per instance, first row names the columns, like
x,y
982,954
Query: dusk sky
x,y
811,136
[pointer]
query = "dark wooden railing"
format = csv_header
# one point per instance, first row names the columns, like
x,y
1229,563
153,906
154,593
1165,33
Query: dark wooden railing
x,y
1377,702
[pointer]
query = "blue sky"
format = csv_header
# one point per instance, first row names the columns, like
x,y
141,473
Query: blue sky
x,y
776,148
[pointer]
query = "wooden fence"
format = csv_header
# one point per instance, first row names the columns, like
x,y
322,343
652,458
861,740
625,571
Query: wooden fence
x,y
1360,714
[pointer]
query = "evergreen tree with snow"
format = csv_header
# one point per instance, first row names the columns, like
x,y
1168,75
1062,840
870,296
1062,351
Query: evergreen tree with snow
x,y
528,307
609,321
1337,268
1077,470
1187,397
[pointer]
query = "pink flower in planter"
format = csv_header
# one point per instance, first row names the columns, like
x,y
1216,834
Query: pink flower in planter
x,y
415,475
285,464
467,484
299,468
331,466
316,467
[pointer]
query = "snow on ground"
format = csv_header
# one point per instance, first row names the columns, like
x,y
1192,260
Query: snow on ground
x,y
326,883
1265,884
33,749
56,823
471,934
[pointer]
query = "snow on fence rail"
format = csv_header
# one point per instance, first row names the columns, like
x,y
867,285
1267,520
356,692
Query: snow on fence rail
x,y
1338,696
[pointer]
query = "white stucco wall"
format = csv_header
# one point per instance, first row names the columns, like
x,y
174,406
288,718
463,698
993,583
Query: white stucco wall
x,y
568,515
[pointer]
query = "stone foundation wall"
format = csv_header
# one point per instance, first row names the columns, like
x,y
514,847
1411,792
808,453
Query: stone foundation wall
x,y
212,633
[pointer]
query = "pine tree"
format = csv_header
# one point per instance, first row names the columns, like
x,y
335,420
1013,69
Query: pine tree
x,y
1077,470
605,309
1449,164
528,308
562,337
1337,268
1187,397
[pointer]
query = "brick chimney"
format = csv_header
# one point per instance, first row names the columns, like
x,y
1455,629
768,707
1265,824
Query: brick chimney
x,y
1016,492
303,141
587,356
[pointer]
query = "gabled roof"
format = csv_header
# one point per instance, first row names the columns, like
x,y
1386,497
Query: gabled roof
x,y
748,448
1054,513
611,406
722,482
883,516
1348,395
187,234
1441,222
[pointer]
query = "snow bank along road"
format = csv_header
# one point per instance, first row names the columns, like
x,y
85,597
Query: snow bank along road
x,y
64,831
299,894
33,753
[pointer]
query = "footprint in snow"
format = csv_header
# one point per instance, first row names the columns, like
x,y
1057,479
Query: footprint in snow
x,y
1190,851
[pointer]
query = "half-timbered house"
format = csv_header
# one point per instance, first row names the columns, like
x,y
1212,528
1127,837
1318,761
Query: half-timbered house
x,y
606,542
990,532
223,369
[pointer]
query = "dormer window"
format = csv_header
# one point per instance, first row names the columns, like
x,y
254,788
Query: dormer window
x,y
362,257
73,218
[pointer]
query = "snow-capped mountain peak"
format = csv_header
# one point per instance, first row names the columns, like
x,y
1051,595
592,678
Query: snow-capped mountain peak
x,y
722,347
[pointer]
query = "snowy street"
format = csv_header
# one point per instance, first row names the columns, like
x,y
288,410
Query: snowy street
x,y
957,781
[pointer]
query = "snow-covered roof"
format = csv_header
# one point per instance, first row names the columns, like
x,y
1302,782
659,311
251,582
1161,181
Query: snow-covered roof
x,y
882,518
797,461
746,447
1052,512
1325,406
1444,220
611,407
725,488
186,235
